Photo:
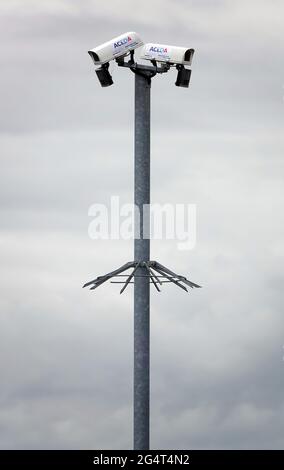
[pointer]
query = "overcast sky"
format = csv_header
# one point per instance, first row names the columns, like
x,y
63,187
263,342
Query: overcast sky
x,y
217,370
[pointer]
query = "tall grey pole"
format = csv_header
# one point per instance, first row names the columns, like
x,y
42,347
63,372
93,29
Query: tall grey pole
x,y
144,271
142,253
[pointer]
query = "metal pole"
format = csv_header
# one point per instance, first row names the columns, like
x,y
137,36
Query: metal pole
x,y
142,253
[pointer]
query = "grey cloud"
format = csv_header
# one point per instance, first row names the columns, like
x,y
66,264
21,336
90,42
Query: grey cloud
x,y
53,84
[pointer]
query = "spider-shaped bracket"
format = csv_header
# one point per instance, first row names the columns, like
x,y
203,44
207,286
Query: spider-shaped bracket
x,y
156,272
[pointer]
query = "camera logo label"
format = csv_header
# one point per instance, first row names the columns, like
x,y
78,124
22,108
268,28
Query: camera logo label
x,y
159,50
122,42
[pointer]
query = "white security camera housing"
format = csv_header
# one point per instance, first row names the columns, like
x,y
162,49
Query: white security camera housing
x,y
168,54
117,47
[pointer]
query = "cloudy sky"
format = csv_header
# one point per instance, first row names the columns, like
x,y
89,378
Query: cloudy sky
x,y
217,370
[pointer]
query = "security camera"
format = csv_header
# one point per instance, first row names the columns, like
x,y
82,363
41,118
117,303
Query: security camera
x,y
168,54
115,48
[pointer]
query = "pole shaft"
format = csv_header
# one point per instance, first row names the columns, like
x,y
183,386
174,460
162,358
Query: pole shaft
x,y
142,253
